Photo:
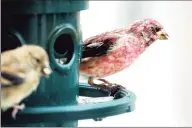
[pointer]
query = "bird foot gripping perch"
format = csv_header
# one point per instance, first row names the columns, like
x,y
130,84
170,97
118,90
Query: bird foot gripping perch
x,y
16,108
114,89
111,88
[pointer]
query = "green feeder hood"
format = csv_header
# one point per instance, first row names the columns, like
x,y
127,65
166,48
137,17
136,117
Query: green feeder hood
x,y
43,6
124,101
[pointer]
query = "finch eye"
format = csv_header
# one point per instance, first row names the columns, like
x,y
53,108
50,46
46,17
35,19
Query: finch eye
x,y
38,60
157,29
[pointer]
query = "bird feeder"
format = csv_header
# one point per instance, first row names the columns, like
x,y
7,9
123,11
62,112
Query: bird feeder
x,y
54,25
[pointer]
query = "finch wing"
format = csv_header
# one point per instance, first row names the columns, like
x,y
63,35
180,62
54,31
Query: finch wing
x,y
9,79
12,74
98,45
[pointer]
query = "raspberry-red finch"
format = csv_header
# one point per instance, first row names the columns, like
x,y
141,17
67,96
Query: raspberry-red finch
x,y
113,51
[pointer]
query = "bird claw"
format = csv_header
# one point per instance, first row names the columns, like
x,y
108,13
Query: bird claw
x,y
106,86
114,89
16,108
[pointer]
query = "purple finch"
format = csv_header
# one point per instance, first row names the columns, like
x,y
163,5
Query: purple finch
x,y
113,51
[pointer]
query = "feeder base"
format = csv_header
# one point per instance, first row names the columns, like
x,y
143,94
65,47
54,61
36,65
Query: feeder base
x,y
68,116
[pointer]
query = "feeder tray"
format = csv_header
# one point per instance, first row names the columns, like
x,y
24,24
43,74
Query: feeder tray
x,y
124,101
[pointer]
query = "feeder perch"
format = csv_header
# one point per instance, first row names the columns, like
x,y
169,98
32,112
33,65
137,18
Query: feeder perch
x,y
54,25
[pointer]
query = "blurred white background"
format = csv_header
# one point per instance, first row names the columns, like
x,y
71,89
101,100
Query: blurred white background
x,y
161,77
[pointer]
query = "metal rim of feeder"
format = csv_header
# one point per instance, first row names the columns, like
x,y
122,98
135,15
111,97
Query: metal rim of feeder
x,y
125,103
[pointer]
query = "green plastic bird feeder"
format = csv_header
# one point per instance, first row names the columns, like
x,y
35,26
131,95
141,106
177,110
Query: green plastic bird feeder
x,y
54,25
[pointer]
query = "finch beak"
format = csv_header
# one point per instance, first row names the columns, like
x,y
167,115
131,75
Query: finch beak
x,y
162,35
46,70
